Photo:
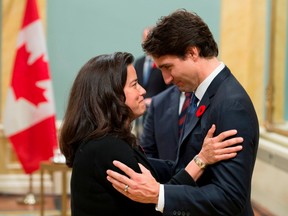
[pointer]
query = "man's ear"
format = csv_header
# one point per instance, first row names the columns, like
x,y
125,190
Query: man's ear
x,y
192,52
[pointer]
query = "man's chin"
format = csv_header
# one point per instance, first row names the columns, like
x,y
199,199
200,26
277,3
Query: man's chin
x,y
181,88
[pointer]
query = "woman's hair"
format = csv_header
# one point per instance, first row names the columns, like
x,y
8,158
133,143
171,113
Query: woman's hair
x,y
176,33
96,105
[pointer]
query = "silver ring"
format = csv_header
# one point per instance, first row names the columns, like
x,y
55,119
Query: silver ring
x,y
126,188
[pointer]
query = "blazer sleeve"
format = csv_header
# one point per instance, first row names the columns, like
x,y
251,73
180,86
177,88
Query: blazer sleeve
x,y
226,186
163,168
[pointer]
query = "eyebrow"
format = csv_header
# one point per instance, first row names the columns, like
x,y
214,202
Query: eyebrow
x,y
164,65
133,81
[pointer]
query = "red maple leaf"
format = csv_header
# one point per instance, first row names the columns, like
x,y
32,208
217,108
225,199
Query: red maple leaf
x,y
26,76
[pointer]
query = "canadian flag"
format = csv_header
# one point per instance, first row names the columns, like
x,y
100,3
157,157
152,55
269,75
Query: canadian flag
x,y
29,115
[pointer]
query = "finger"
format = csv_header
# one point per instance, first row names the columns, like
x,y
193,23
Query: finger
x,y
119,189
127,170
116,183
225,156
231,142
211,131
127,194
119,186
222,136
118,179
229,150
144,170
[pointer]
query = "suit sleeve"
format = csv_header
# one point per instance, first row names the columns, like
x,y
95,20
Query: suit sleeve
x,y
228,183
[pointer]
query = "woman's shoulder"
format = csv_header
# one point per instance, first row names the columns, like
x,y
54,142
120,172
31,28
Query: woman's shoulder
x,y
108,141
109,138
105,148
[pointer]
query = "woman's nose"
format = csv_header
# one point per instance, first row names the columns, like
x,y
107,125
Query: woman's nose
x,y
142,90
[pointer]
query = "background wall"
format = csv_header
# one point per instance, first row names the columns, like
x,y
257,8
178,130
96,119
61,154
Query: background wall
x,y
244,45
286,77
78,30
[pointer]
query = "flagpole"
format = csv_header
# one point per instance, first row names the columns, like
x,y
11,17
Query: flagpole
x,y
29,198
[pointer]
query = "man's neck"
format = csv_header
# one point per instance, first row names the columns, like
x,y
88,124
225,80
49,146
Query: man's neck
x,y
207,66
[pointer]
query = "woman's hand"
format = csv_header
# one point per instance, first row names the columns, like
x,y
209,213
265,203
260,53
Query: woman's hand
x,y
214,149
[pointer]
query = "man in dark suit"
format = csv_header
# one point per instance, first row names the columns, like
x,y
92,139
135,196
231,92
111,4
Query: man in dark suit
x,y
149,77
184,49
155,82
159,139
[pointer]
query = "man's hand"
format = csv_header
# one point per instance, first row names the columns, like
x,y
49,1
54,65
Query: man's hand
x,y
140,187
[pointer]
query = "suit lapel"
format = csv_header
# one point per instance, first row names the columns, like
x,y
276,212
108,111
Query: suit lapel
x,y
191,121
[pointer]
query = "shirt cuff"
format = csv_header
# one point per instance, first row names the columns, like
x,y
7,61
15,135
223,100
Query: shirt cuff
x,y
161,201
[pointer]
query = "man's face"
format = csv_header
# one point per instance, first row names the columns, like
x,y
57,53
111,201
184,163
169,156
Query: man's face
x,y
180,72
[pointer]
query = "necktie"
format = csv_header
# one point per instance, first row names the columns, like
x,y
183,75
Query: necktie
x,y
192,106
183,113
146,71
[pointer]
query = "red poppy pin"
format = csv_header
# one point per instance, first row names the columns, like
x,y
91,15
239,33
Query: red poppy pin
x,y
154,65
200,110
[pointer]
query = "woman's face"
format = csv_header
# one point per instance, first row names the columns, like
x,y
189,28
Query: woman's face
x,y
134,93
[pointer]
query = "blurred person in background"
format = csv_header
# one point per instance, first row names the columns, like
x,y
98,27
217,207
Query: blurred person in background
x,y
150,77
161,130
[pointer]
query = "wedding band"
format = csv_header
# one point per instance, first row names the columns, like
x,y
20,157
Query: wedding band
x,y
126,188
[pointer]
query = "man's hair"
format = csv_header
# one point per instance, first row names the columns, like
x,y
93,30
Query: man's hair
x,y
176,33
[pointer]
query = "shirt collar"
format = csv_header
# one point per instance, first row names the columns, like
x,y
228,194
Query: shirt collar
x,y
205,84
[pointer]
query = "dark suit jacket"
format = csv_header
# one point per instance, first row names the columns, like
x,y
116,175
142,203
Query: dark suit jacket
x,y
225,187
91,193
155,82
160,134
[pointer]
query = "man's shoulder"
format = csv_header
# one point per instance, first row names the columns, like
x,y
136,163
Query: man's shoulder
x,y
166,93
